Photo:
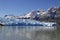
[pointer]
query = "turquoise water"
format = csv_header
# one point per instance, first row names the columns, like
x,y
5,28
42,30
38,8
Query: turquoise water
x,y
27,33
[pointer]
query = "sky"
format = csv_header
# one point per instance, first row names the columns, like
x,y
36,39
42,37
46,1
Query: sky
x,y
22,7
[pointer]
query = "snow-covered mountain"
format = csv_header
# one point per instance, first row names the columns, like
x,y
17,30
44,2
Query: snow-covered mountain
x,y
35,15
39,14
50,13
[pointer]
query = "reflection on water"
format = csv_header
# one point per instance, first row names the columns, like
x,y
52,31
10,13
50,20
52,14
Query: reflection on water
x,y
27,33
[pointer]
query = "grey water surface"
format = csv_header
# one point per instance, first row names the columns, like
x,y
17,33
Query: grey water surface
x,y
27,33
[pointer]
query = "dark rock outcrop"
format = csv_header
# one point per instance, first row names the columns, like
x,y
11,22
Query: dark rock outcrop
x,y
1,25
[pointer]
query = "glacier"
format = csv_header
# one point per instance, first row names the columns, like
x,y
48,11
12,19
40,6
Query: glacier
x,y
24,22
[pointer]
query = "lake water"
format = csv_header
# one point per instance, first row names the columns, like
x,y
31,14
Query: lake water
x,y
28,33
